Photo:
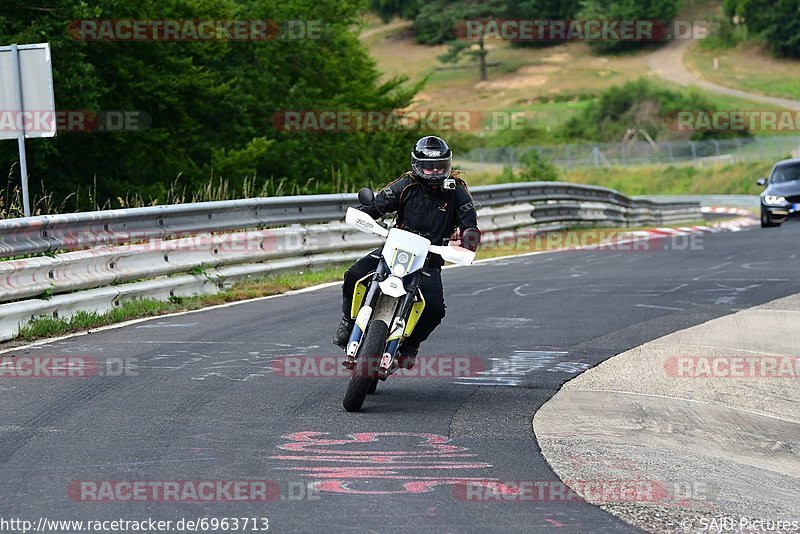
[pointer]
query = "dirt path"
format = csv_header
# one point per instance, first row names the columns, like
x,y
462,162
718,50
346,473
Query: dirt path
x,y
394,25
667,62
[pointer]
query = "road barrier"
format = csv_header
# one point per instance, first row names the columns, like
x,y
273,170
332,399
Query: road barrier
x,y
95,261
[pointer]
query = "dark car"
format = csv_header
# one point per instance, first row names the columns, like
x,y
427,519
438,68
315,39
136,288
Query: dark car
x,y
781,197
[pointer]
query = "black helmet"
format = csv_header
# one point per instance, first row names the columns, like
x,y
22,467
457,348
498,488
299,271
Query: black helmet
x,y
431,160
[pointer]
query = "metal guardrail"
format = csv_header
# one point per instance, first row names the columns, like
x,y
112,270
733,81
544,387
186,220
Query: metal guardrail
x,y
161,252
748,202
50,233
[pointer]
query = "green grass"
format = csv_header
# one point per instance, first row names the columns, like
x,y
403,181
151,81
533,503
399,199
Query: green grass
x,y
715,179
726,179
749,67
135,309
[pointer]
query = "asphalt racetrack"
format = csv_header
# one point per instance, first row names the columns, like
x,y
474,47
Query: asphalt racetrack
x,y
201,398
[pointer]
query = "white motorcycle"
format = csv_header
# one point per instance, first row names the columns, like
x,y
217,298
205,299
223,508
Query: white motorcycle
x,y
388,303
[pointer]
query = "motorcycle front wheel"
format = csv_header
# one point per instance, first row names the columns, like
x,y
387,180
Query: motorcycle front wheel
x,y
367,360
373,387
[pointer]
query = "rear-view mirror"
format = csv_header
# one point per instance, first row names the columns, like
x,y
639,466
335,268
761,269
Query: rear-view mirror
x,y
366,196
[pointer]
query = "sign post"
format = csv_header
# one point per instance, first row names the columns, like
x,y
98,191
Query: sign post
x,y
26,100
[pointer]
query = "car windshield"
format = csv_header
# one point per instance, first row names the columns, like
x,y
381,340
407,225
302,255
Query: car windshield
x,y
789,172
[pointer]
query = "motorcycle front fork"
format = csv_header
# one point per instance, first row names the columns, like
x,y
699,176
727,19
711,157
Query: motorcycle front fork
x,y
388,362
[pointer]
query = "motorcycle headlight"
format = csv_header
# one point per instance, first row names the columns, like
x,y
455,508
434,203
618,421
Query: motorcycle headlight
x,y
402,262
774,200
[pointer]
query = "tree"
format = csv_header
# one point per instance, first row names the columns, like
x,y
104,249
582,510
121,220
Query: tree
x,y
661,11
388,9
541,10
211,102
777,22
462,25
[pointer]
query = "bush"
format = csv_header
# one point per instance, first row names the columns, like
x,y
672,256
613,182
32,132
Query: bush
x,y
637,105
535,168
724,35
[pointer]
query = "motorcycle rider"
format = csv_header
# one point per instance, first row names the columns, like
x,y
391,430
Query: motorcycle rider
x,y
428,202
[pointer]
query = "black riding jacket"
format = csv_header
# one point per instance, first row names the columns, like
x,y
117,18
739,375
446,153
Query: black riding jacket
x,y
431,214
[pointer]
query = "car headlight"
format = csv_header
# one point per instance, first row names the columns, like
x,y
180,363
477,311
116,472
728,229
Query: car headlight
x,y
773,200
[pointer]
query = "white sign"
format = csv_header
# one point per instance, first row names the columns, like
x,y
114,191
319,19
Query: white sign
x,y
27,104
35,116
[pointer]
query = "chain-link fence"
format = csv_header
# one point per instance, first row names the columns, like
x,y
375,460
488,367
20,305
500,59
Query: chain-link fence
x,y
643,153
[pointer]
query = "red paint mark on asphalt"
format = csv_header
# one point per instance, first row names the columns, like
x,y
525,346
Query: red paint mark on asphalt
x,y
400,459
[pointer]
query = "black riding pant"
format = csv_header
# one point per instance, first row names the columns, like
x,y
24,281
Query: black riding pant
x,y
431,287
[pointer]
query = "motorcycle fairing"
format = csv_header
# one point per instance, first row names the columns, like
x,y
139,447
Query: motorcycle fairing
x,y
358,295
405,252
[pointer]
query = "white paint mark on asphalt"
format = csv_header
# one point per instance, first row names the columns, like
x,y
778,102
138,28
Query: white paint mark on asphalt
x,y
506,322
674,289
479,291
20,428
518,289
167,325
723,287
511,371
657,307
720,265
569,367
541,291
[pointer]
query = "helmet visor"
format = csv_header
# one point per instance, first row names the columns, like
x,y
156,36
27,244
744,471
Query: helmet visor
x,y
433,168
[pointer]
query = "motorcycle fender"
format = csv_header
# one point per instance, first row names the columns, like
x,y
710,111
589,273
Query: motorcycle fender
x,y
393,287
414,315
